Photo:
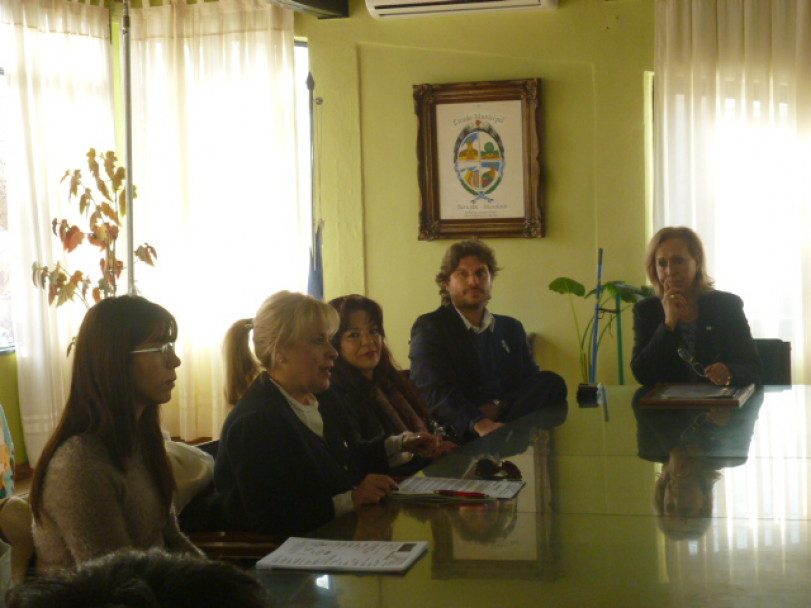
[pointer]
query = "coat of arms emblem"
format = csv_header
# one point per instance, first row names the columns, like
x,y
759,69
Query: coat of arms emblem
x,y
479,159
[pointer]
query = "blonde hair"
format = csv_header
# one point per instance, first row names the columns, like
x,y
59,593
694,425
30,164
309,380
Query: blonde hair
x,y
686,526
703,281
283,319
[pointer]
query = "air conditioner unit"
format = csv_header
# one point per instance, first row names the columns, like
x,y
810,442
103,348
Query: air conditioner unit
x,y
384,9
319,8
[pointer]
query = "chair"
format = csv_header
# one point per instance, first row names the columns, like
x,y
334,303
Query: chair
x,y
209,447
236,546
15,529
220,544
775,356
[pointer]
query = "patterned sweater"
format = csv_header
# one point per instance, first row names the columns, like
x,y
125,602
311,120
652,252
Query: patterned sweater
x,y
90,508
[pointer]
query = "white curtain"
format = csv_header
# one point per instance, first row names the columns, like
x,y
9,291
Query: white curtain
x,y
215,168
56,55
732,131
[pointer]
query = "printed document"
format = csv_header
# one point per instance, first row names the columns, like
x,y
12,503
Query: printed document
x,y
503,488
344,555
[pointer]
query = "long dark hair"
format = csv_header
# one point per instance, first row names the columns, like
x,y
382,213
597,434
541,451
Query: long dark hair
x,y
387,375
101,399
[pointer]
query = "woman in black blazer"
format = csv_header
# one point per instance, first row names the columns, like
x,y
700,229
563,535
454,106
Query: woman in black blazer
x,y
690,317
289,458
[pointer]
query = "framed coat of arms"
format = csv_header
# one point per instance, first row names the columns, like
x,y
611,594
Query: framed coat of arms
x,y
480,166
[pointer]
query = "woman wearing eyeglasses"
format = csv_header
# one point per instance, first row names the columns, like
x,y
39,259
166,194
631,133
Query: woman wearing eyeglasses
x,y
289,458
689,332
103,481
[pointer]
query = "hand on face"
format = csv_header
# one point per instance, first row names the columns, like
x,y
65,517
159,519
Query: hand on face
x,y
718,373
676,272
676,305
372,489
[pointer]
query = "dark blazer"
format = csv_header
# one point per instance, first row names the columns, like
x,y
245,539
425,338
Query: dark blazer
x,y
660,430
275,476
722,334
445,366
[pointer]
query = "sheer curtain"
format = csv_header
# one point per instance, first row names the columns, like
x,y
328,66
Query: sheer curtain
x,y
56,55
215,167
732,133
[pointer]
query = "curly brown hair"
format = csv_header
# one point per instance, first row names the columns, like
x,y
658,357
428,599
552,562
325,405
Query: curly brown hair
x,y
455,254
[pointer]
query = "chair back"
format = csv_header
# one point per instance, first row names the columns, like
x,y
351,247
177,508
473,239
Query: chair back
x,y
775,356
209,447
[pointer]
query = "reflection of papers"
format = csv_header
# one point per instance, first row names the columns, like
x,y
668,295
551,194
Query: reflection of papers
x,y
697,391
428,485
360,556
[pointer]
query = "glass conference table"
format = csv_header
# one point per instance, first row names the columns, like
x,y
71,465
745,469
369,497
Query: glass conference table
x,y
584,530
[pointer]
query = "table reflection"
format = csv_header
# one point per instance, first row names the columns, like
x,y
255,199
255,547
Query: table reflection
x,y
504,539
693,445
586,529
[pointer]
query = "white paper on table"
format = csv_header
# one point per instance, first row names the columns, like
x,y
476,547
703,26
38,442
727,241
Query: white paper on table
x,y
347,555
501,488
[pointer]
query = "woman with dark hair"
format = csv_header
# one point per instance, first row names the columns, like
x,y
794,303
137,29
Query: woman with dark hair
x,y
689,332
289,458
103,481
382,399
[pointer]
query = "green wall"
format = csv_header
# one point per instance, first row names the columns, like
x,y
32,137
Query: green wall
x,y
592,56
11,403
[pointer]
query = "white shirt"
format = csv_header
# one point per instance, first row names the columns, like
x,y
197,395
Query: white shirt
x,y
488,321
311,418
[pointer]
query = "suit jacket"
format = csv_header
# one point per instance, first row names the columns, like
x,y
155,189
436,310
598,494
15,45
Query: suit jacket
x,y
445,366
722,334
275,476
659,431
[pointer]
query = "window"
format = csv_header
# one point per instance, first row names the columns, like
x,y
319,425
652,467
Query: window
x,y
6,330
303,132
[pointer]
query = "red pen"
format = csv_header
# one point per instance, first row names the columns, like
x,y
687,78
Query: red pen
x,y
458,494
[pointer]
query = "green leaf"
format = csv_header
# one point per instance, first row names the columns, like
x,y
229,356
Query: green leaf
x,y
146,253
107,209
35,272
85,200
102,187
632,293
65,294
109,163
566,285
75,182
118,178
93,164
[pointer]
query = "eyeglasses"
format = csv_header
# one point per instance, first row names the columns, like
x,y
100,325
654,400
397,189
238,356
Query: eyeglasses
x,y
167,350
487,468
691,361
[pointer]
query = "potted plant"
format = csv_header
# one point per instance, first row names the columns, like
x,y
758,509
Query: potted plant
x,y
103,203
613,293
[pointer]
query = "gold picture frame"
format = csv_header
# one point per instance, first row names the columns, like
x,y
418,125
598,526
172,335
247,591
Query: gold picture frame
x,y
480,165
